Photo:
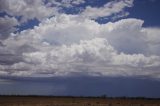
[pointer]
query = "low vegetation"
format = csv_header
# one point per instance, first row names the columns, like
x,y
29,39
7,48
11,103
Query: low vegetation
x,y
75,101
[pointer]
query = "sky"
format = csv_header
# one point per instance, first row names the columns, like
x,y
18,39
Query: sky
x,y
80,47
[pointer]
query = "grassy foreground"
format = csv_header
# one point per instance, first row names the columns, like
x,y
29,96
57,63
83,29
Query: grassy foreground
x,y
75,101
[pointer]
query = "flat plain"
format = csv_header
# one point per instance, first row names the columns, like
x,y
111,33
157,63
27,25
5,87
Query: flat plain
x,y
75,101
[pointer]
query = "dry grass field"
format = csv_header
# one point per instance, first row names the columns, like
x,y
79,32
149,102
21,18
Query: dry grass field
x,y
74,101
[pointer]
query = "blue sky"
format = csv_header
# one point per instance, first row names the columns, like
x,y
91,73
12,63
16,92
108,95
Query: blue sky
x,y
80,47
137,11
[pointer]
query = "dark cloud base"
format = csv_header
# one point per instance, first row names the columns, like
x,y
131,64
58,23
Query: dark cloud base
x,y
83,86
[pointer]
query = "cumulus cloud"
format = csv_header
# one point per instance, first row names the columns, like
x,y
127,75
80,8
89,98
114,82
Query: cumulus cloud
x,y
153,39
27,9
7,26
75,45
68,45
108,9
39,9
123,35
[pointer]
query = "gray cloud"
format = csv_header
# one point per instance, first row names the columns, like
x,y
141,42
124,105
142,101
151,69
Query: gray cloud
x,y
7,26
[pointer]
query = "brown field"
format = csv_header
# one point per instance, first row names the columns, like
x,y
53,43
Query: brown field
x,y
74,101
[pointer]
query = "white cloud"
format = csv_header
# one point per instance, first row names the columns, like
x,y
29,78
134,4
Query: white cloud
x,y
125,35
65,3
41,9
108,9
153,39
90,57
78,1
70,45
66,45
70,3
120,15
69,29
27,9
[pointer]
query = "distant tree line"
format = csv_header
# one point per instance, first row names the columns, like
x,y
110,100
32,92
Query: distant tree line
x,y
102,96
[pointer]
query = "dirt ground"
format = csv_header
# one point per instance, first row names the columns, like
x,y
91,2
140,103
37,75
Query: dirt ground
x,y
74,101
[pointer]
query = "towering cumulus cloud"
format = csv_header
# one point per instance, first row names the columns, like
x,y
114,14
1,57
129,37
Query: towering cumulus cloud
x,y
75,45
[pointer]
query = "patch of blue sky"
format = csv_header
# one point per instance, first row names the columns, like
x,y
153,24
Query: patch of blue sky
x,y
28,25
